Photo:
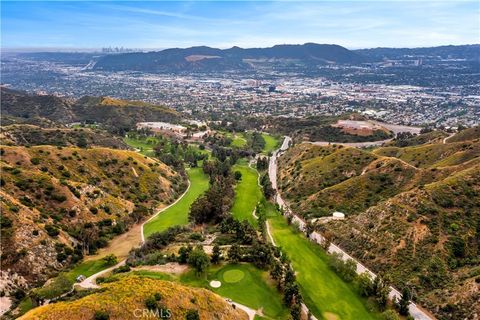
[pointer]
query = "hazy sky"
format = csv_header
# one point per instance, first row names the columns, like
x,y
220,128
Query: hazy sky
x,y
354,24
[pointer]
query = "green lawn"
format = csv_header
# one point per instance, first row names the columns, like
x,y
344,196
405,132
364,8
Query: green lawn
x,y
238,141
86,268
271,143
323,291
145,145
250,287
247,194
64,281
178,213
251,290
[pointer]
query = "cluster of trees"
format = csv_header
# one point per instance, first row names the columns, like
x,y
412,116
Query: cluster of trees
x,y
378,288
268,190
218,139
214,205
262,163
257,142
195,257
242,230
175,153
153,244
93,236
282,272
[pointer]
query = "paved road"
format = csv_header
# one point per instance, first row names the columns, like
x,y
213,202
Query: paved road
x,y
89,283
416,312
353,144
250,312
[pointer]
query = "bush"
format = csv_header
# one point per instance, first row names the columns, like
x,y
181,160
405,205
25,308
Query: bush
x,y
122,269
110,260
101,315
192,315
390,315
51,230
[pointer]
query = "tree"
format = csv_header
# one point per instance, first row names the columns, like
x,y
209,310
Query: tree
x,y
234,253
390,315
364,282
110,260
238,175
199,260
290,292
404,301
183,254
261,255
380,290
216,254
277,271
82,141
296,311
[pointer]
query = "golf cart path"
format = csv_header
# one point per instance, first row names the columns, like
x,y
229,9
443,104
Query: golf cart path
x,y
89,282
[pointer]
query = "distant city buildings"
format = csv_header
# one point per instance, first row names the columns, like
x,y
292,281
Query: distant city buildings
x,y
271,93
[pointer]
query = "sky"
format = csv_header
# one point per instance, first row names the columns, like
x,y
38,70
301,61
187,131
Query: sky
x,y
223,24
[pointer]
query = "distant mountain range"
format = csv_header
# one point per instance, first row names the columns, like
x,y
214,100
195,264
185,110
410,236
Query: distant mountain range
x,y
211,59
305,57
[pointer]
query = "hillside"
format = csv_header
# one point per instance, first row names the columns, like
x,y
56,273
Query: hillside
x,y
428,239
29,135
409,140
203,58
59,204
20,107
434,155
412,213
121,298
468,52
465,135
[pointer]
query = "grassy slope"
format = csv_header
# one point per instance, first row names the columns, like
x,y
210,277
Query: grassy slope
x,y
467,134
321,288
238,141
119,299
247,194
252,291
271,143
178,214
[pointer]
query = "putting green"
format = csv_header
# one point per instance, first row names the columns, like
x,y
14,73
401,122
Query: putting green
x,y
232,276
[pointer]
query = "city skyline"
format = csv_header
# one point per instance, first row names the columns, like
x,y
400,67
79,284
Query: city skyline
x,y
159,25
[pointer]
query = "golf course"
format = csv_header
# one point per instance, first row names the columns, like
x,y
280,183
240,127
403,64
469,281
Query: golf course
x,y
325,293
271,143
243,283
247,194
178,213
144,145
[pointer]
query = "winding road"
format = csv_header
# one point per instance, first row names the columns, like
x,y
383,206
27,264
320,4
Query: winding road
x,y
415,311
